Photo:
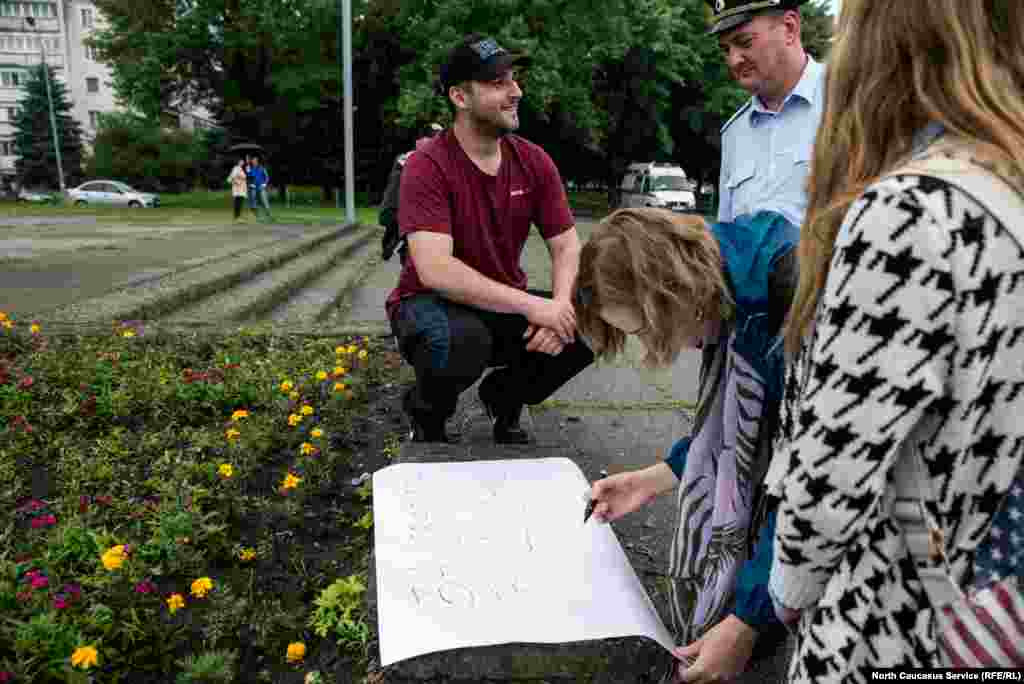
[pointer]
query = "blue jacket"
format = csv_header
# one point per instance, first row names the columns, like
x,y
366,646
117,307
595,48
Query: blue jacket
x,y
258,177
752,247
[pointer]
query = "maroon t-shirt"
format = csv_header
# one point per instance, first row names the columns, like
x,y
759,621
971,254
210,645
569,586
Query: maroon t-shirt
x,y
488,217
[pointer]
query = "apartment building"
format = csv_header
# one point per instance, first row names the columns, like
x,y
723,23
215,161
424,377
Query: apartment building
x,y
58,29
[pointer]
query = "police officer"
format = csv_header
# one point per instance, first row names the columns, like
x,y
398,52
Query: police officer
x,y
389,205
766,152
766,145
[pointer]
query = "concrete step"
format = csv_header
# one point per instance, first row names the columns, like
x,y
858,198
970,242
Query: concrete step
x,y
323,301
192,281
260,294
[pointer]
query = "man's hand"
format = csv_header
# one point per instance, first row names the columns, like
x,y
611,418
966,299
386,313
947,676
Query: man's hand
x,y
721,654
543,340
557,315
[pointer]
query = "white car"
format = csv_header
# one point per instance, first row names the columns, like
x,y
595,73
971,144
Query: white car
x,y
657,185
111,193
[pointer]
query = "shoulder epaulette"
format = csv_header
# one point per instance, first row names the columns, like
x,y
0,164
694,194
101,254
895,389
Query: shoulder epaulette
x,y
735,116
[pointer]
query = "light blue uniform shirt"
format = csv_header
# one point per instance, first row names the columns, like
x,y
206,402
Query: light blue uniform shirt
x,y
766,155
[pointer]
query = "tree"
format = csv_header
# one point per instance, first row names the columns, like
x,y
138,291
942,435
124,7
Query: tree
x,y
131,148
638,79
36,162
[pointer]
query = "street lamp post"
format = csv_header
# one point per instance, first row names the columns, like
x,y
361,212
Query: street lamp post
x,y
49,98
346,50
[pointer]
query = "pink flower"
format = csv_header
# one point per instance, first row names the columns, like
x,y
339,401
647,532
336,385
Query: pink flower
x,y
73,590
145,587
83,504
43,521
40,581
26,382
6,677
33,504
60,602
24,596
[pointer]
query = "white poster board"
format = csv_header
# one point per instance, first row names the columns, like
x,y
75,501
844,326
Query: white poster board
x,y
492,552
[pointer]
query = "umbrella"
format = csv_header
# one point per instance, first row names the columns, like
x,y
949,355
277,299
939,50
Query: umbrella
x,y
246,147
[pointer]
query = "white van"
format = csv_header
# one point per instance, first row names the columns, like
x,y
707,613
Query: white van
x,y
657,184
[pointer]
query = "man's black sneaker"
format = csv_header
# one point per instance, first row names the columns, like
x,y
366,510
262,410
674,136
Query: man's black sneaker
x,y
506,424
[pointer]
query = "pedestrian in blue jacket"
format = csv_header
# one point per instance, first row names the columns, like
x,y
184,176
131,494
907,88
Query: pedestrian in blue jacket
x,y
259,179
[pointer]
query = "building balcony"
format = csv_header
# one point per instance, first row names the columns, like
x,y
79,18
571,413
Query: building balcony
x,y
19,24
30,59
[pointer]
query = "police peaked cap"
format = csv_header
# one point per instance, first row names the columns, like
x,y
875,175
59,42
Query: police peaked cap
x,y
731,13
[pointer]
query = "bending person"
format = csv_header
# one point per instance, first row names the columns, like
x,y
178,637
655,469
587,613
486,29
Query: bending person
x,y
677,283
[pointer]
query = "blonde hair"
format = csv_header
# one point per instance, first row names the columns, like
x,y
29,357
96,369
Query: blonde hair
x,y
665,266
895,67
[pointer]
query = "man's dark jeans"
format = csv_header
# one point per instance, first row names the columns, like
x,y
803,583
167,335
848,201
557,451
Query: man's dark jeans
x,y
451,345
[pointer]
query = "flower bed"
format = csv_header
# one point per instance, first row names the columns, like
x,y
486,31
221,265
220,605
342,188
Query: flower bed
x,y
186,508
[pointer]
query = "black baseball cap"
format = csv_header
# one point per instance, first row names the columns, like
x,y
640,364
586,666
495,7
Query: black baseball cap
x,y
730,14
477,58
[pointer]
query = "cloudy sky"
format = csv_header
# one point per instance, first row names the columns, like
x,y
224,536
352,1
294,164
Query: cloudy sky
x,y
834,5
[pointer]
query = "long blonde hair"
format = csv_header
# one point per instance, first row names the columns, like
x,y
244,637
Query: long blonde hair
x,y
665,266
895,66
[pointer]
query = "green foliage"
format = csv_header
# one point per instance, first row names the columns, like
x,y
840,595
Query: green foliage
x,y
211,667
337,611
75,547
44,643
36,162
141,153
636,79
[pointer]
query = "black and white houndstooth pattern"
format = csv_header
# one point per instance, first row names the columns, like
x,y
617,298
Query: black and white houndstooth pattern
x,y
921,332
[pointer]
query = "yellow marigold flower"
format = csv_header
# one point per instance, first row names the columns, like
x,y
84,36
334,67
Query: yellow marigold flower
x,y
232,433
307,448
3,315
316,433
290,481
201,587
34,328
296,652
8,324
247,554
294,419
226,470
321,375
175,602
85,657
340,370
114,557
362,354
287,386
239,414
352,349
306,410
128,333
339,387
340,350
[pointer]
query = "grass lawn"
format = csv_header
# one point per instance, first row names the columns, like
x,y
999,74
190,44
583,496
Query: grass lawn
x,y
186,508
199,208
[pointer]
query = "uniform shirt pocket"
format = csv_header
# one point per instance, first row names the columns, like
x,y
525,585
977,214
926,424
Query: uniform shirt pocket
x,y
794,160
742,173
